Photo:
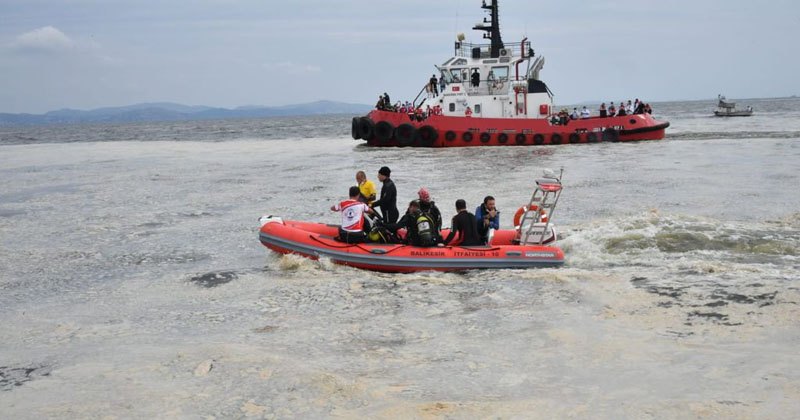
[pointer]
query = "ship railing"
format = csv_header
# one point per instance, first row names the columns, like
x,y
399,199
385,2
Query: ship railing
x,y
466,49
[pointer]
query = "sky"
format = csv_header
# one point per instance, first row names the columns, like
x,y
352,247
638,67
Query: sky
x,y
86,54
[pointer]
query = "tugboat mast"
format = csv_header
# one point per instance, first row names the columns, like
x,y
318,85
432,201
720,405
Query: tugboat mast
x,y
493,28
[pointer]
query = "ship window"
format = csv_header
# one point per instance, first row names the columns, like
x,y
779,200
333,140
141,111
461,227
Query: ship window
x,y
456,75
500,72
477,108
452,107
447,78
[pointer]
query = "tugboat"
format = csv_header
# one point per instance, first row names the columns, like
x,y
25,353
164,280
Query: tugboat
x,y
728,109
492,95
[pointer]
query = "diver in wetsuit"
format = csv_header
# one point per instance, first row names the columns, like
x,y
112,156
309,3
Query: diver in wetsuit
x,y
388,200
464,224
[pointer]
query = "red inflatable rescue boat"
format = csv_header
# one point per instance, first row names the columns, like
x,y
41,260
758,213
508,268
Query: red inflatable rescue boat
x,y
529,245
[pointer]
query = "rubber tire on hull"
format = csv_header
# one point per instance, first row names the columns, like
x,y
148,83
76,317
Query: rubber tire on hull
x,y
574,138
520,139
556,139
383,131
366,129
486,138
611,135
467,137
354,130
538,139
592,138
405,134
450,136
426,136
502,138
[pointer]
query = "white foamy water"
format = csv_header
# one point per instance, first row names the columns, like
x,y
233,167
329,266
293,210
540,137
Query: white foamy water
x,y
133,285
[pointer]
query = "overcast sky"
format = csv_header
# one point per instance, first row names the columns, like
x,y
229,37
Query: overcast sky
x,y
95,53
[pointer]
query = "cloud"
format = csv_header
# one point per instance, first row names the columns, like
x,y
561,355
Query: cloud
x,y
45,39
290,67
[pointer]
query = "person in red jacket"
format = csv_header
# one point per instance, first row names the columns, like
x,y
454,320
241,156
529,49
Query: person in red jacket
x,y
352,229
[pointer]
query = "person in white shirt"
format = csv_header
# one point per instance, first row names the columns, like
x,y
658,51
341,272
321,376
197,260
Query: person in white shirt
x,y
585,113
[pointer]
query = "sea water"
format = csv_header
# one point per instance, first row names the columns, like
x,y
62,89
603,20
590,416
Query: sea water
x,y
133,284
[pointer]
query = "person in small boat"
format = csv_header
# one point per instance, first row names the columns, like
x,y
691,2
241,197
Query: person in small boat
x,y
612,110
352,229
574,115
487,217
603,110
639,108
464,225
428,206
647,109
367,190
621,112
585,113
418,225
388,200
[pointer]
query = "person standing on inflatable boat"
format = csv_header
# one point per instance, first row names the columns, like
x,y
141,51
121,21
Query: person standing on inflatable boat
x,y
352,229
388,200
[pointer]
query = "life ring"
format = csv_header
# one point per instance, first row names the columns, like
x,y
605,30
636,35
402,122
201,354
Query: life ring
x,y
383,131
450,136
502,138
522,210
354,129
574,138
366,129
486,137
611,135
538,139
556,139
467,136
426,136
520,138
404,134
592,138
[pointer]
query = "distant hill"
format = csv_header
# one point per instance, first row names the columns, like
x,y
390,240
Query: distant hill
x,y
165,111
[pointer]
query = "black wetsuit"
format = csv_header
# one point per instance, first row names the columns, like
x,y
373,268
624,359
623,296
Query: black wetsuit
x,y
409,223
464,224
388,201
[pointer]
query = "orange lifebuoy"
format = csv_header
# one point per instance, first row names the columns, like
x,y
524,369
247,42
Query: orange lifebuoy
x,y
523,209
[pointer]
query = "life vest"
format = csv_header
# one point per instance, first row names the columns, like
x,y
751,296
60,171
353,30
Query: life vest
x,y
424,229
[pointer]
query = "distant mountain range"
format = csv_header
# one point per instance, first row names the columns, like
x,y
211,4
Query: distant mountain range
x,y
165,111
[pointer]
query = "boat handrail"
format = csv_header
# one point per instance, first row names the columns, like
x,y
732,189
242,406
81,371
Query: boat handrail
x,y
516,49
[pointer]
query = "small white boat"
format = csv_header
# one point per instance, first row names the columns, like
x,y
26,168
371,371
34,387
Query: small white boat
x,y
728,109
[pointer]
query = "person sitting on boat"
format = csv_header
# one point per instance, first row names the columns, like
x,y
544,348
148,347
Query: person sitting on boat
x,y
574,115
487,217
585,113
647,109
464,225
612,110
621,112
428,206
639,108
388,200
352,229
603,110
418,225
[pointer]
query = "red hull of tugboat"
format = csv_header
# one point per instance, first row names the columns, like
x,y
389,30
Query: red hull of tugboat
x,y
387,129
